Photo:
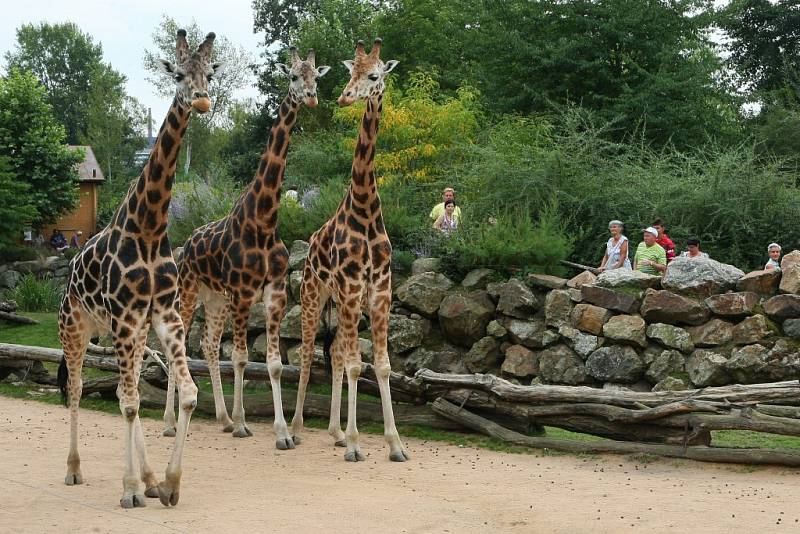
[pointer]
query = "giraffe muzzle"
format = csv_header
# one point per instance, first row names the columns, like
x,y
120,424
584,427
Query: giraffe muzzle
x,y
201,105
345,101
310,101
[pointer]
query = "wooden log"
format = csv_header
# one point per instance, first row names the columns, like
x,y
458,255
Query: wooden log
x,y
701,453
14,318
580,266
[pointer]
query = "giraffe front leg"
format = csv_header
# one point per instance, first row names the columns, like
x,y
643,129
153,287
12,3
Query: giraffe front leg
x,y
337,368
239,359
348,314
275,301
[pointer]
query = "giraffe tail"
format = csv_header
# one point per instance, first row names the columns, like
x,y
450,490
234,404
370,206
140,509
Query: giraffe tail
x,y
63,380
326,344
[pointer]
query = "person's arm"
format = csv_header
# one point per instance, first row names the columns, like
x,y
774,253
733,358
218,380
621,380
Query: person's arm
x,y
433,216
660,264
623,255
603,262
437,224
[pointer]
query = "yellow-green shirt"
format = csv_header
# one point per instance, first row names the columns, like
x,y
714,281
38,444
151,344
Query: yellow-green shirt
x,y
655,253
438,210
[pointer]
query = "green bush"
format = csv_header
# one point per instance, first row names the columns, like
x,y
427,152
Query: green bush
x,y
196,202
34,295
15,252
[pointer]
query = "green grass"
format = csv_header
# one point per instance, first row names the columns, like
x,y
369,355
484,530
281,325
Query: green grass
x,y
749,439
44,334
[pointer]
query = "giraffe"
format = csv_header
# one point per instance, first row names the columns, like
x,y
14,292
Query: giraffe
x,y
125,279
230,263
349,261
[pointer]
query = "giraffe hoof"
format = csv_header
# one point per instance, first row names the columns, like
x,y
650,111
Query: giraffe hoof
x,y
228,428
354,456
399,456
284,444
151,492
167,494
133,501
169,432
341,443
297,440
242,432
73,478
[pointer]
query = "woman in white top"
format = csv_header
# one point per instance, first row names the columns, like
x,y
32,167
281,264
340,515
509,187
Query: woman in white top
x,y
616,256
447,221
774,251
693,249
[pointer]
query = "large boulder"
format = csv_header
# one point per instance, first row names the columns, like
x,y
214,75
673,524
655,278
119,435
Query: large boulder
x,y
739,304
295,281
532,334
463,318
628,329
583,344
752,330
520,362
611,299
666,363
615,363
478,278
782,362
701,277
425,265
627,279
257,320
516,300
791,327
292,325
782,307
557,307
442,358
258,350
547,281
790,280
667,307
10,279
747,365
483,356
424,292
713,333
406,333
707,368
297,255
579,280
670,336
762,282
559,365
590,318
790,260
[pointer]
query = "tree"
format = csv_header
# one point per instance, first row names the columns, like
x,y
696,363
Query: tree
x,y
70,66
34,143
16,211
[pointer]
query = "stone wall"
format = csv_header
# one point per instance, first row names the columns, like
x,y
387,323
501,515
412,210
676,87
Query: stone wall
x,y
56,267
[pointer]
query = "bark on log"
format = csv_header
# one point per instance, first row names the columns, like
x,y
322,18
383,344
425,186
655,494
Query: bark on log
x,y
14,318
705,454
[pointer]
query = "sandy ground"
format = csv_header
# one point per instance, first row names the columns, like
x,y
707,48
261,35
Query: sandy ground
x,y
233,485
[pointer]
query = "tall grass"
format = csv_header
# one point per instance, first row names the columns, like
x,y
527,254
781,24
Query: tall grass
x,y
34,295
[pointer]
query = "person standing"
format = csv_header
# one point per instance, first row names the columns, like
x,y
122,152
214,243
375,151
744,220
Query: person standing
x,y
650,258
616,256
448,194
774,262
75,242
663,239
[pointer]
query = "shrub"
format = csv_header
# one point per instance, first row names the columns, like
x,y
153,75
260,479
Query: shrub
x,y
197,202
34,295
15,252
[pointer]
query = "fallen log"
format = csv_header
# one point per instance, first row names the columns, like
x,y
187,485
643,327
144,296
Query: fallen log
x,y
701,453
14,318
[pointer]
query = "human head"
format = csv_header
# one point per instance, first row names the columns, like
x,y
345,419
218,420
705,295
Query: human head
x,y
774,251
448,194
449,206
658,224
650,235
616,227
693,244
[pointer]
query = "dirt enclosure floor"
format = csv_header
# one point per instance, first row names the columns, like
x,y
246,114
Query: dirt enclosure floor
x,y
243,486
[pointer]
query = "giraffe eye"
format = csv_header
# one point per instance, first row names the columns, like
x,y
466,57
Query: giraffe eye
x,y
208,77
178,77
294,77
373,77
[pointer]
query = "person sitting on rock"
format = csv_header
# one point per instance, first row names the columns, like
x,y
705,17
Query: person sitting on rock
x,y
650,258
693,249
616,255
774,262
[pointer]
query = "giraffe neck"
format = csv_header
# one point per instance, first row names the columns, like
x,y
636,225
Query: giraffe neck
x,y
362,185
146,205
261,200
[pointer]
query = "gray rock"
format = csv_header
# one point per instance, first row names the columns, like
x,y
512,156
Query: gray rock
x,y
667,307
615,363
226,350
628,329
546,281
714,333
667,363
442,358
583,344
557,307
257,320
700,276
560,365
791,327
790,260
790,280
483,356
425,265
295,280
463,318
590,318
365,348
763,282
739,304
424,292
406,333
194,339
627,279
748,364
575,294
581,279
671,384
707,368
294,355
297,255
611,299
495,329
532,334
752,330
782,307
10,279
516,300
671,337
258,350
28,267
292,325
520,361
478,278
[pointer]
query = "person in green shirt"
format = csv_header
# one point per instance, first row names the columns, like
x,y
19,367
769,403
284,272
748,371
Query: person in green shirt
x,y
650,258
438,210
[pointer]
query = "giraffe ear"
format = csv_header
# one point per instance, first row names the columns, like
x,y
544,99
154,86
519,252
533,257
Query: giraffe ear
x,y
218,68
323,70
283,68
348,63
389,65
167,67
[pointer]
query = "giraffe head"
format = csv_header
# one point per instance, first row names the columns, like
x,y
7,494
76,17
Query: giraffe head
x,y
192,72
303,77
367,73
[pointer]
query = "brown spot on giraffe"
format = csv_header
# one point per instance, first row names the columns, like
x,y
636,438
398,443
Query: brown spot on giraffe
x,y
349,262
125,279
232,262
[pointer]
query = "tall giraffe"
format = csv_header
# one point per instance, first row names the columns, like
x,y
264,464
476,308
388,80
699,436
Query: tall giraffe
x,y
232,262
349,260
125,278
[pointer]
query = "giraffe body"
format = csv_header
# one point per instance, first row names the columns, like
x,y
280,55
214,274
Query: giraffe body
x,y
349,261
230,264
125,279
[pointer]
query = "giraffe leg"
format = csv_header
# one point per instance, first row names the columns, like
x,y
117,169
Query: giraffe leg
x,y
188,292
74,334
169,329
275,301
337,364
239,358
146,473
349,315
311,299
379,303
216,308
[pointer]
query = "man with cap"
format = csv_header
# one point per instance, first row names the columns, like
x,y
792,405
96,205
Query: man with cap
x,y
438,210
650,258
